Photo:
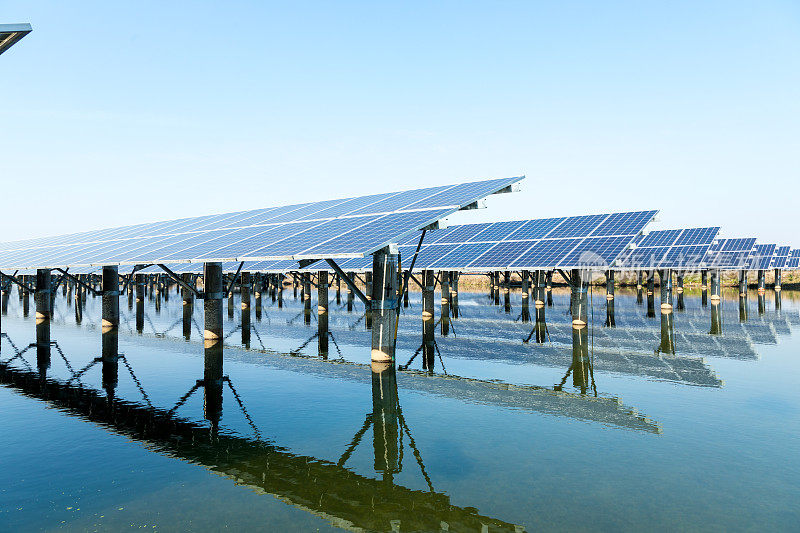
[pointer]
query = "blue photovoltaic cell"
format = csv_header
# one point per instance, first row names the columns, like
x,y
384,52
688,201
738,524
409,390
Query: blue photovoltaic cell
x,y
781,257
456,234
738,245
624,223
496,231
310,211
351,205
762,256
697,236
427,255
595,251
263,236
535,229
576,227
545,253
660,238
376,232
188,250
644,257
399,201
684,256
794,259
463,254
501,255
315,233
459,195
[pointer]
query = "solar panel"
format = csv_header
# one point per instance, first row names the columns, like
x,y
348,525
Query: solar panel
x,y
11,33
730,254
794,259
564,242
348,227
762,256
681,249
781,257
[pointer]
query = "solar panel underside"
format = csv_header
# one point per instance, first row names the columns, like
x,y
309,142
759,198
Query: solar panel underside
x,y
680,249
344,228
565,242
730,254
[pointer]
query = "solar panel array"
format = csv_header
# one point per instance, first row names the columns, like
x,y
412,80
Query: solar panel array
x,y
563,242
348,227
730,254
681,249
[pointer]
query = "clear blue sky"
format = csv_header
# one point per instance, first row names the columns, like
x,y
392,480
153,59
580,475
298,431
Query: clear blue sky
x,y
117,114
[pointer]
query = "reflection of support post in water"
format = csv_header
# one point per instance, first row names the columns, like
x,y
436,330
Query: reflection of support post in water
x,y
539,279
667,336
428,326
140,286
639,279
187,301
384,305
244,292
322,313
42,301
453,294
444,278
385,421
306,293
580,330
525,314
110,329
507,291
212,342
716,318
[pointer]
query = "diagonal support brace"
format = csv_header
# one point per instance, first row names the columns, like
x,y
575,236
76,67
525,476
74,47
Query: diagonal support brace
x,y
353,287
177,279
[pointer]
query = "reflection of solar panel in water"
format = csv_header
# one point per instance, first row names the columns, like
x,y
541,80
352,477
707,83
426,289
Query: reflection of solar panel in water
x,y
762,256
343,228
563,242
682,249
730,254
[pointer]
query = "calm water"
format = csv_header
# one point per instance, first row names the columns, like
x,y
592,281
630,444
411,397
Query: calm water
x,y
503,433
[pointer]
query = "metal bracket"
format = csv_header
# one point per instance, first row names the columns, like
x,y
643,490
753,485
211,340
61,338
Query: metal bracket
x,y
412,277
410,269
306,262
79,282
235,277
565,276
349,282
177,279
